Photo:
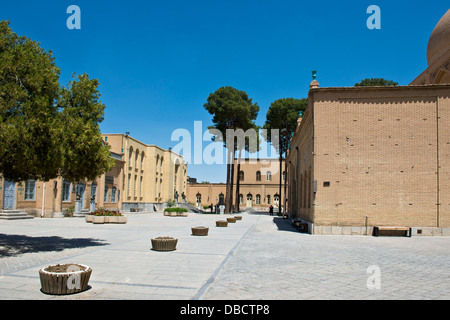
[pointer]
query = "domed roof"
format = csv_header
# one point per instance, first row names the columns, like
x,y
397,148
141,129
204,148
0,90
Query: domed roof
x,y
439,42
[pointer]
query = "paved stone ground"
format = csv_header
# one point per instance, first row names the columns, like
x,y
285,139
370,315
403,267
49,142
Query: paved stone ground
x,y
260,257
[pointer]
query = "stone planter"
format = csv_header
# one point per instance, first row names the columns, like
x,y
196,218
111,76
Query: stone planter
x,y
199,231
122,219
164,244
98,219
231,220
88,218
64,279
113,219
238,217
221,223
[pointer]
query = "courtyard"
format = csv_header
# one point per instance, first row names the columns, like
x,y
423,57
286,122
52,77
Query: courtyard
x,y
260,257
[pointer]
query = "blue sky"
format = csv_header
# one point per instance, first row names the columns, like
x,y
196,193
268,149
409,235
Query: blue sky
x,y
157,61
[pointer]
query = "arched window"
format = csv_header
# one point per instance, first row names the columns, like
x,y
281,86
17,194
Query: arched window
x,y
241,175
198,199
268,199
258,199
136,156
258,175
130,156
269,176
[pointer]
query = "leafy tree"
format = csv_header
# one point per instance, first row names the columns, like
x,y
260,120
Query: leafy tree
x,y
231,109
39,129
283,115
375,82
86,156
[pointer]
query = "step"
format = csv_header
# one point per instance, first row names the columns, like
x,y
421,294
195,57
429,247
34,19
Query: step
x,y
14,215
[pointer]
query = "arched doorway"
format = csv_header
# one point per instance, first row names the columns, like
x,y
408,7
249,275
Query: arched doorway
x,y
249,200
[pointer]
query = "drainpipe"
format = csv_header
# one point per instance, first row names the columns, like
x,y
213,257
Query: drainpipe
x,y
43,200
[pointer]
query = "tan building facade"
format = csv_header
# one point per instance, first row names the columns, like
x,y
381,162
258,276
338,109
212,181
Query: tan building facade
x,y
375,156
151,175
58,196
258,186
144,178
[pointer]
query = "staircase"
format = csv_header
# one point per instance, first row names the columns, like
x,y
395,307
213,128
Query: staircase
x,y
14,215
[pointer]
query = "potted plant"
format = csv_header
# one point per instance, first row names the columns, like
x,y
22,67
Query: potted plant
x,y
231,220
238,217
64,279
199,231
164,243
221,223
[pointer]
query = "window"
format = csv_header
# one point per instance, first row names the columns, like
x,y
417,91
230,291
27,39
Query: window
x,y
136,159
268,199
140,188
241,175
113,194
135,182
105,200
241,199
128,185
66,191
258,199
269,176
199,199
30,190
258,175
94,191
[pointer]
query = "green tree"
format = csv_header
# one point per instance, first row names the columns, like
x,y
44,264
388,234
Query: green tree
x,y
231,109
282,116
35,120
376,82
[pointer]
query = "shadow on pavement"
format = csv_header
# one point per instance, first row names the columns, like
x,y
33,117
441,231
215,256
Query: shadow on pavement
x,y
12,245
284,224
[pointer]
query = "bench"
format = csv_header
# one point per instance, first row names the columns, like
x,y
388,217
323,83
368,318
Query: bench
x,y
135,210
300,226
392,231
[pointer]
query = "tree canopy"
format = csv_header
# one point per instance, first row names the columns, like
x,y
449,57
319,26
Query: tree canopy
x,y
376,82
46,130
283,115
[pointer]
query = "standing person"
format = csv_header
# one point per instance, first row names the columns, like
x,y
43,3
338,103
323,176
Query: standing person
x,y
212,206
271,210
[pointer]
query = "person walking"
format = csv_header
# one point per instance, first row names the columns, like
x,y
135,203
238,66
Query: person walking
x,y
271,210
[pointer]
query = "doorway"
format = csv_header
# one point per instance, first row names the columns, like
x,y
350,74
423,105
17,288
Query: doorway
x,y
249,200
9,195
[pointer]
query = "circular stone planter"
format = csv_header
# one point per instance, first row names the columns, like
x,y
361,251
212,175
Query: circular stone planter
x,y
199,231
238,217
231,220
164,243
64,279
221,223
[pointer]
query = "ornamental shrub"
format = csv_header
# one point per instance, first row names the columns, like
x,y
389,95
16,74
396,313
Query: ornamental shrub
x,y
176,209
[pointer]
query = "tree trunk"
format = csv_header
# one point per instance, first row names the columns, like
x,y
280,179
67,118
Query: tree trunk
x,y
238,181
281,176
227,193
232,182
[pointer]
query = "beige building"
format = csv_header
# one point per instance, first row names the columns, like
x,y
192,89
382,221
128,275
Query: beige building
x,y
376,156
258,187
151,175
144,177
58,196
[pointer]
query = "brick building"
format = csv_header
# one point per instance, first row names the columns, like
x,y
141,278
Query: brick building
x,y
376,156
258,186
